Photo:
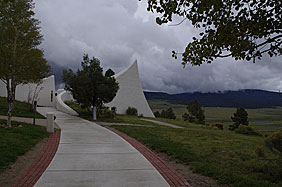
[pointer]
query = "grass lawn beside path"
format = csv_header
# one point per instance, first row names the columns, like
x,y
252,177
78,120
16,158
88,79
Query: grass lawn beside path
x,y
21,109
16,141
225,156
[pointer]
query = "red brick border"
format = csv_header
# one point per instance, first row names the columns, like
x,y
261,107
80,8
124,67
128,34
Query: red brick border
x,y
31,176
170,175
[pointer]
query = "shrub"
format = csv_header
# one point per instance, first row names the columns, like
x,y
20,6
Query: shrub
x,y
168,114
105,112
259,151
140,116
243,129
131,111
218,126
157,114
274,142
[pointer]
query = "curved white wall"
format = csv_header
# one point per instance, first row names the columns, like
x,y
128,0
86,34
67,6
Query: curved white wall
x,y
130,93
46,95
61,106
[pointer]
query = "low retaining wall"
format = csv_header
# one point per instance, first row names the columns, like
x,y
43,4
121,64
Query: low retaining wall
x,y
61,106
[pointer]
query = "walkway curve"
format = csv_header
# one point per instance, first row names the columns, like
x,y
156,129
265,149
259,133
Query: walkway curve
x,y
171,176
91,155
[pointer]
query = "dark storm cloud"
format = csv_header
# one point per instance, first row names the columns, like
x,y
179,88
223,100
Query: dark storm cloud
x,y
118,32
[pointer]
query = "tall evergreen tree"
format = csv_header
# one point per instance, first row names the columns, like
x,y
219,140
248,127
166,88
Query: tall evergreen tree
x,y
239,117
89,86
21,61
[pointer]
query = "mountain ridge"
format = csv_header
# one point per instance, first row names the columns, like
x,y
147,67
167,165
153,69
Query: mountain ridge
x,y
246,98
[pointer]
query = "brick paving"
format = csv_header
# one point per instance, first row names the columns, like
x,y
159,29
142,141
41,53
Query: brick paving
x,y
168,173
30,177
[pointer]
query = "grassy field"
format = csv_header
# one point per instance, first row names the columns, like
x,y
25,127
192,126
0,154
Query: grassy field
x,y
272,117
18,140
21,109
225,156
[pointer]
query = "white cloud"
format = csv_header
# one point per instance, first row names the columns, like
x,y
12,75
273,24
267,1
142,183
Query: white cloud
x,y
118,32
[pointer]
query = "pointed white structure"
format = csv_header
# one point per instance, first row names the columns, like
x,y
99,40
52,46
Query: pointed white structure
x,y
130,93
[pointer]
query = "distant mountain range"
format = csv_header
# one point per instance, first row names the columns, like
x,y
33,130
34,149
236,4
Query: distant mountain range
x,y
243,98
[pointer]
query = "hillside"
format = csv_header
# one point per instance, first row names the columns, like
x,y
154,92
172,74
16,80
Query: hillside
x,y
243,98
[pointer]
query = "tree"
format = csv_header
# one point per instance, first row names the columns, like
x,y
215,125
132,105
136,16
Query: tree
x,y
195,113
89,86
157,114
242,29
240,117
20,60
169,114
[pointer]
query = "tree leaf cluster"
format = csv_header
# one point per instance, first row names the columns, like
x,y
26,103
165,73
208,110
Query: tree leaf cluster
x,y
242,29
195,113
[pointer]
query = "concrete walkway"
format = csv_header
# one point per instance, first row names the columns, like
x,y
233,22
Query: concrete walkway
x,y
90,155
163,123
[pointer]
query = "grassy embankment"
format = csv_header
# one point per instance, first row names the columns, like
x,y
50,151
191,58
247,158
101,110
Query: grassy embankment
x,y
16,141
21,109
264,119
225,156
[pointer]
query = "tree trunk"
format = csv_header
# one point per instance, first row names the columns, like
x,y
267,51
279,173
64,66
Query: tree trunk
x,y
94,113
11,91
9,114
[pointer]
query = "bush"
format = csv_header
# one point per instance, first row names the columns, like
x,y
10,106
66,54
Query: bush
x,y
157,114
131,111
243,129
168,114
260,152
218,126
274,142
105,112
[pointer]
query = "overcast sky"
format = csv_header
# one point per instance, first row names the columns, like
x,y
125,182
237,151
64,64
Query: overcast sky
x,y
120,31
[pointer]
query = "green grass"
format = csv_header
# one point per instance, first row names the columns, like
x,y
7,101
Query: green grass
x,y
16,141
83,113
223,115
225,156
21,109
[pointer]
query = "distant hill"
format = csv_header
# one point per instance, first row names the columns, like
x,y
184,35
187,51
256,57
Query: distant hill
x,y
243,98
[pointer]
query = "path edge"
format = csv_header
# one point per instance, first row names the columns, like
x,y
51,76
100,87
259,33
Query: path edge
x,y
38,167
169,174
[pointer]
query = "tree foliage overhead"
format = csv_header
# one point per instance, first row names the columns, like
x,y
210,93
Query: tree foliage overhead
x,y
242,29
89,86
